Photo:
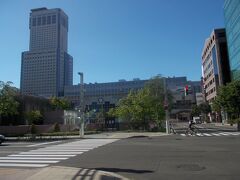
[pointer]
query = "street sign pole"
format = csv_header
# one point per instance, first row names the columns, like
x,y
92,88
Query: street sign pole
x,y
81,128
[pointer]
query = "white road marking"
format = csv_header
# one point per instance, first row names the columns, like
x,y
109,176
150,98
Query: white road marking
x,y
40,144
225,134
42,155
76,148
22,161
60,153
216,134
37,158
59,150
23,165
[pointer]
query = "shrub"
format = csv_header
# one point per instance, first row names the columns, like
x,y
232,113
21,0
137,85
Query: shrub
x,y
56,127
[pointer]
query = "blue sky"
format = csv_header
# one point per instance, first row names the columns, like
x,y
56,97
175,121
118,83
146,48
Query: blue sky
x,y
118,39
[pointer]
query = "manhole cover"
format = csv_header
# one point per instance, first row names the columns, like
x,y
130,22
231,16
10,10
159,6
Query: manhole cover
x,y
191,167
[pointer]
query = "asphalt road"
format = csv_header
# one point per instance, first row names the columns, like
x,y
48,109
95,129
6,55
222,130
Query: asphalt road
x,y
215,155
166,157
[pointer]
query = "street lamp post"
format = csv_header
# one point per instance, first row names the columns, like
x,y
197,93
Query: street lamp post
x,y
166,106
81,109
101,101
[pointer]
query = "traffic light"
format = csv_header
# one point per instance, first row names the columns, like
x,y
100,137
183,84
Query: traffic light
x,y
186,90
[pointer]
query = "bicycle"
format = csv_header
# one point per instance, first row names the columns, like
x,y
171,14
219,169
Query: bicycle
x,y
193,131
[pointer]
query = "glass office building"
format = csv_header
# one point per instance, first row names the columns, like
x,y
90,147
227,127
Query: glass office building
x,y
232,23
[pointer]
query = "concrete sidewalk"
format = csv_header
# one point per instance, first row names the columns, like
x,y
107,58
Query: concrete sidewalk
x,y
65,173
57,173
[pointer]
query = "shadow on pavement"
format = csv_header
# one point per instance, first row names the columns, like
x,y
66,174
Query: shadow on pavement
x,y
116,170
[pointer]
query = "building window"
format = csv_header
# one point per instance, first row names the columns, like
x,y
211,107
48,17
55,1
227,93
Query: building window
x,y
54,19
43,20
39,21
49,20
34,21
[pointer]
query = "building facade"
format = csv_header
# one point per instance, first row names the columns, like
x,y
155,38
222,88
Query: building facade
x,y
107,95
215,64
232,24
47,67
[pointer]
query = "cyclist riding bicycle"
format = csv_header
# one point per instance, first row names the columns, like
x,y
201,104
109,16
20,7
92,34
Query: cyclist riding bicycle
x,y
191,125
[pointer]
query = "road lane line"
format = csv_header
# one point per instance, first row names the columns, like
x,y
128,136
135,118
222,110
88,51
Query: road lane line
x,y
206,134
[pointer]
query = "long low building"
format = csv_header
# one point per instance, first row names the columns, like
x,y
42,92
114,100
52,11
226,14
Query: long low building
x,y
107,95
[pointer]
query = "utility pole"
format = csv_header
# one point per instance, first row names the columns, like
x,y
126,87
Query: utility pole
x,y
81,128
166,105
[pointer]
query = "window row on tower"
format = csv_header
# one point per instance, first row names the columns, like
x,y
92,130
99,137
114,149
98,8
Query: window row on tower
x,y
44,20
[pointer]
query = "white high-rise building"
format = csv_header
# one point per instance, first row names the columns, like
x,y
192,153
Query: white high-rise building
x,y
47,67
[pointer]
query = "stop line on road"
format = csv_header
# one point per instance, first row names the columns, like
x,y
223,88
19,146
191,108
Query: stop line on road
x,y
43,157
214,134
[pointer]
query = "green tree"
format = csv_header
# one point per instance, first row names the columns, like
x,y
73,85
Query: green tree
x,y
228,99
56,127
205,109
60,103
8,104
144,106
195,110
34,117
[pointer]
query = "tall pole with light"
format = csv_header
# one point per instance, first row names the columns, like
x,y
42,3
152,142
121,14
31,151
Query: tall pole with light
x,y
166,105
81,108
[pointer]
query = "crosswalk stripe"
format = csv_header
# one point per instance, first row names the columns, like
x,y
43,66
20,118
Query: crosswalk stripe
x,y
42,155
37,158
224,134
59,150
49,153
216,134
39,144
23,165
22,161
236,133
75,148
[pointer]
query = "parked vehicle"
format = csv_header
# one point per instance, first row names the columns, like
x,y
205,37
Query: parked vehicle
x,y
197,120
2,138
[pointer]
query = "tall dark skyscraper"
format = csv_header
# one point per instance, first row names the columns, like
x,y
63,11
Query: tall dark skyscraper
x,y
47,67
